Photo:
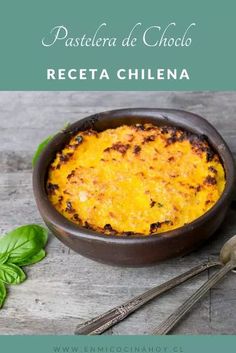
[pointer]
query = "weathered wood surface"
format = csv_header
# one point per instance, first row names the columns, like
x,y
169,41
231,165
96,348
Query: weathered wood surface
x,y
65,288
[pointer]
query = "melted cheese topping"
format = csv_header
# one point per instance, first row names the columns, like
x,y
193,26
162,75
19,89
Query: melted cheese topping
x,y
135,179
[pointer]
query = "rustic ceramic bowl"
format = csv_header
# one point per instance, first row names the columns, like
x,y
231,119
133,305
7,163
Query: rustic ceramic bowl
x,y
134,250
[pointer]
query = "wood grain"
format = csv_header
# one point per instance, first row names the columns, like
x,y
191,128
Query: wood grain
x,y
65,288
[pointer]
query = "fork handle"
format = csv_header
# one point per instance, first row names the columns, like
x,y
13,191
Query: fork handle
x,y
172,320
101,323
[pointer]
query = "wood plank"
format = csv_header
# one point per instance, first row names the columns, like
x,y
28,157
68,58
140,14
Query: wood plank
x,y
66,288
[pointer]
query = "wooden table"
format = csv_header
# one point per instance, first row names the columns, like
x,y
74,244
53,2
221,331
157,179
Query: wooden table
x,y
65,288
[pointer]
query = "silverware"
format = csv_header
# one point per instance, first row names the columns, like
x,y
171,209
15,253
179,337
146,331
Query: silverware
x,y
228,259
102,322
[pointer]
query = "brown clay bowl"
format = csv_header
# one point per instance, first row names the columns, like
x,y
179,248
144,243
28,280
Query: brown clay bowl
x,y
134,250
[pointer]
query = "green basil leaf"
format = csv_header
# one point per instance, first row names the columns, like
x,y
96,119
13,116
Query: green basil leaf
x,y
3,293
33,259
39,149
66,126
11,274
3,258
23,242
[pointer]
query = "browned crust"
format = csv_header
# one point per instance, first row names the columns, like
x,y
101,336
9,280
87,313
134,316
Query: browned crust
x,y
199,144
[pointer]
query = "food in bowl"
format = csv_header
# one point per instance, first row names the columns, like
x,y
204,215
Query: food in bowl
x,y
138,179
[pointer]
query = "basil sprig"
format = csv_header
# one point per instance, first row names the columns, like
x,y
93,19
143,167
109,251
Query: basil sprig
x,y
3,293
11,274
20,247
44,143
39,149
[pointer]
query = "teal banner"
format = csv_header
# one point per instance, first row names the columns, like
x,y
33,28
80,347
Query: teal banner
x,y
121,344
117,45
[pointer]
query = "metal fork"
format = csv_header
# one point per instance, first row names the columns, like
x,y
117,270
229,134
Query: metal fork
x,y
110,318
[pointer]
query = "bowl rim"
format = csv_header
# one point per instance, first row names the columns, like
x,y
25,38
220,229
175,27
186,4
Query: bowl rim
x,y
59,221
